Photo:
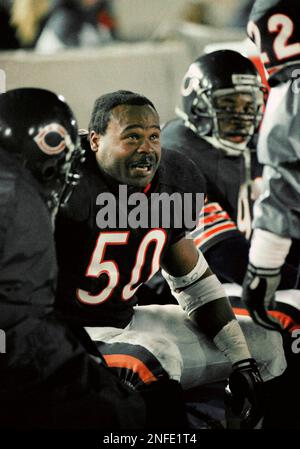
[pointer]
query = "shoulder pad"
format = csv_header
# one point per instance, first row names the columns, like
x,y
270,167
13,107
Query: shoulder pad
x,y
178,171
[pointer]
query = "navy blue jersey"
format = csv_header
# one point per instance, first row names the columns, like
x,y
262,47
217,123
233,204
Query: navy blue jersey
x,y
47,377
101,266
37,341
228,206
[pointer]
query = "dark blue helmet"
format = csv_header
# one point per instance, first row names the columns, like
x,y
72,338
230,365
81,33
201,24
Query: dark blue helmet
x,y
39,129
212,77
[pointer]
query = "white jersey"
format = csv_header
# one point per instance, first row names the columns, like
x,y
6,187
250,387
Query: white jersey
x,y
278,208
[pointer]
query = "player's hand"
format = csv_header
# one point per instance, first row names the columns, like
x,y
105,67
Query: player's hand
x,y
259,289
243,393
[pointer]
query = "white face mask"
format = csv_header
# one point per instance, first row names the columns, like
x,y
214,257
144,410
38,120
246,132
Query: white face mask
x,y
230,148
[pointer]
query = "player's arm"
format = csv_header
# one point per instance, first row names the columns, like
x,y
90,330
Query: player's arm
x,y
198,290
202,296
276,212
233,268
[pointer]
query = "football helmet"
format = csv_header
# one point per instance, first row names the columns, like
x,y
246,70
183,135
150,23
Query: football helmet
x,y
223,99
39,129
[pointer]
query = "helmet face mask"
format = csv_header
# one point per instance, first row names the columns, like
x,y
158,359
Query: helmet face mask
x,y
58,177
223,99
238,114
39,128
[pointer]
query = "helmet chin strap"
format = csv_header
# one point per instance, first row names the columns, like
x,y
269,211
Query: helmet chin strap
x,y
230,148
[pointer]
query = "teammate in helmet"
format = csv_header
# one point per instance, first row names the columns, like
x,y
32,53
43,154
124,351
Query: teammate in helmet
x,y
222,104
101,268
52,376
222,100
273,25
232,175
48,146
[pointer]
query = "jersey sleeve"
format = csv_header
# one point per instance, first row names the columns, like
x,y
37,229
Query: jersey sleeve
x,y
278,210
214,225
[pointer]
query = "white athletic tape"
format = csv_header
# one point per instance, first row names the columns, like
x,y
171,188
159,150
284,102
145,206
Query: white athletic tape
x,y
231,341
268,250
200,293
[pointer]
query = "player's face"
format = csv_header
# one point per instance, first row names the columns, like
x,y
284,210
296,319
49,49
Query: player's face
x,y
130,150
236,114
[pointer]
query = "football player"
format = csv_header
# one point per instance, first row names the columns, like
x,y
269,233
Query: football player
x,y
52,376
102,264
273,26
222,105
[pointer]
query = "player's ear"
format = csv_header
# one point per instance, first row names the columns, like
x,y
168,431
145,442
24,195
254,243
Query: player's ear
x,y
94,140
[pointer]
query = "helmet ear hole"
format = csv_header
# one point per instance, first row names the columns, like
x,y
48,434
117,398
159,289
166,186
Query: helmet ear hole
x,y
203,124
194,111
49,170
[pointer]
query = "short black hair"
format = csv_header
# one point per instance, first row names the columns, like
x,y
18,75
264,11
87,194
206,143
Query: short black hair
x,y
103,105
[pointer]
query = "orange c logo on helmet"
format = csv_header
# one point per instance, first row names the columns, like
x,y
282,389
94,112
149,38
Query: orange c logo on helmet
x,y
51,139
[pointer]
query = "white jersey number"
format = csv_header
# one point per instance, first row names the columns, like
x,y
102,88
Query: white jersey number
x,y
244,218
98,265
284,27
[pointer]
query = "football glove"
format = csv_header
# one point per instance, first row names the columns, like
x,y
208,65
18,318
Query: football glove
x,y
243,393
259,289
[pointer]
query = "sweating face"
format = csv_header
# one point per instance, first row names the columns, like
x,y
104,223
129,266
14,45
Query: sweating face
x,y
236,113
130,150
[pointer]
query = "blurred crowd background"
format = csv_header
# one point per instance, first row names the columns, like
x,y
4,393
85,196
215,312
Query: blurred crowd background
x,y
83,48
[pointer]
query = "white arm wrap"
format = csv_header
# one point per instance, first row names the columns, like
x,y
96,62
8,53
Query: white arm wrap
x,y
268,250
197,291
231,341
203,291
